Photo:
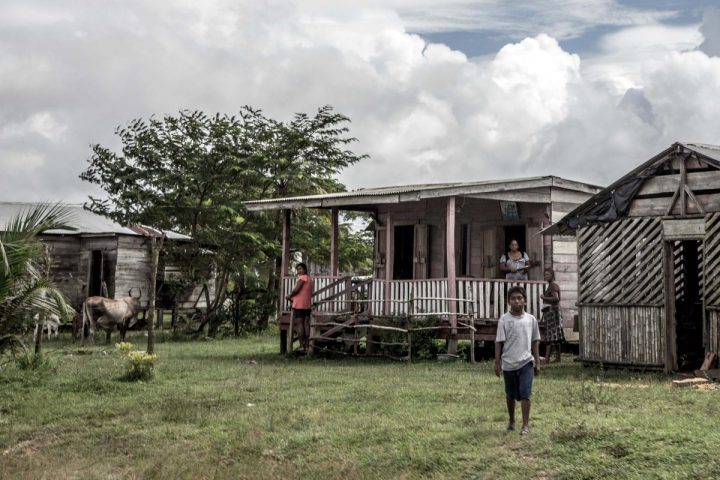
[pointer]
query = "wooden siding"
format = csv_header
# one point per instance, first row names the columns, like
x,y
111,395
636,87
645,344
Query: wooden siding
x,y
711,250
621,263
133,268
712,319
626,335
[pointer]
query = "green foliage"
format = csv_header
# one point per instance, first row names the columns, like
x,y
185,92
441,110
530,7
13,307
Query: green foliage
x,y
25,286
424,345
192,172
140,365
28,360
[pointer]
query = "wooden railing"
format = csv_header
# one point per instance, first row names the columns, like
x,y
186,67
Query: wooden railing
x,y
480,298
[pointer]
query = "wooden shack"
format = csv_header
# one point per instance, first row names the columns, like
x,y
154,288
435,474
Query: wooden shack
x,y
649,252
440,244
101,251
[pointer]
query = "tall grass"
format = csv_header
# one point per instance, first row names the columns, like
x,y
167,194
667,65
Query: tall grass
x,y
236,409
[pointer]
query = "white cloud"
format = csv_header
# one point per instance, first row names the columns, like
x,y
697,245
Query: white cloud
x,y
424,112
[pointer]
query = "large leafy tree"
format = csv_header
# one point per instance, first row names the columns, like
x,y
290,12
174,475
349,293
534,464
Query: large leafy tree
x,y
192,172
25,286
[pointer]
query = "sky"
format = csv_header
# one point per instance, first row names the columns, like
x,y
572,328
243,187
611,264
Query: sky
x,y
437,90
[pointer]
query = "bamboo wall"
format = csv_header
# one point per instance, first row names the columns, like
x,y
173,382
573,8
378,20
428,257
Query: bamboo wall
x,y
622,311
626,335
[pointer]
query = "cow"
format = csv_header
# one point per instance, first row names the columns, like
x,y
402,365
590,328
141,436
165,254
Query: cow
x,y
51,323
108,313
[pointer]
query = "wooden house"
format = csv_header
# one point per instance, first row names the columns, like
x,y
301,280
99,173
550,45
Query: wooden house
x,y
437,248
101,251
649,252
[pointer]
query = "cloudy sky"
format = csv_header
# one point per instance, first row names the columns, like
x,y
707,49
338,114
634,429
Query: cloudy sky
x,y
437,90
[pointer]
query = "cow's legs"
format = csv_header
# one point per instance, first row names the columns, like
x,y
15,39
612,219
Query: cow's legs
x,y
108,334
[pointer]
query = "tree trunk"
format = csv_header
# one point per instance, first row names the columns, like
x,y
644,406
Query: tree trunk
x,y
155,247
38,336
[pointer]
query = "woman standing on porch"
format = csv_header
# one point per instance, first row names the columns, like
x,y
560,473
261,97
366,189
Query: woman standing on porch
x,y
301,298
554,334
515,263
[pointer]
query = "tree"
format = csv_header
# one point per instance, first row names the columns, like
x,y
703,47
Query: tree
x,y
191,173
25,286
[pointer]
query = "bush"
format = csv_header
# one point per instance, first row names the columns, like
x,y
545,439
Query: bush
x,y
31,361
140,366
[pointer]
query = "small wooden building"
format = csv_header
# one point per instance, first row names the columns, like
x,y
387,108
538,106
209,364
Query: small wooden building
x,y
440,245
649,252
102,251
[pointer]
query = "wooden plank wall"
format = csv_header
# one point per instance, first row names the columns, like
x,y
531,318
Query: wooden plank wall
x,y
712,317
67,270
561,250
627,335
133,267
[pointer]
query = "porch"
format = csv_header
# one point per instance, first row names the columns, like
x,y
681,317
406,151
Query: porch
x,y
348,309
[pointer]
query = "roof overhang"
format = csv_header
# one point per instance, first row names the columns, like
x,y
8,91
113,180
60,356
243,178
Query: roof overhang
x,y
366,198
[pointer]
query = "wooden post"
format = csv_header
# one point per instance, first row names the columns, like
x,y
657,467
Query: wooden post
x,y
389,259
451,274
311,333
284,266
334,244
668,273
348,294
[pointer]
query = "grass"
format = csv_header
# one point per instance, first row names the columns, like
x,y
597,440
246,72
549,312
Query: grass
x,y
237,409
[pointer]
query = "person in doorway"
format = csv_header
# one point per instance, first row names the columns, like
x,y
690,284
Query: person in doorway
x,y
554,333
515,263
516,355
301,298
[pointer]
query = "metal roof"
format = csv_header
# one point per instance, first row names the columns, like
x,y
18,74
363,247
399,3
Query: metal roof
x,y
84,221
406,193
710,152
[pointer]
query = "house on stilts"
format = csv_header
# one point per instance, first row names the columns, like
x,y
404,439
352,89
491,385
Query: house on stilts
x,y
649,257
437,249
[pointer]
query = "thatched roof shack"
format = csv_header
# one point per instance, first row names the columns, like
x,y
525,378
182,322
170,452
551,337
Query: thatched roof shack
x,y
648,258
100,250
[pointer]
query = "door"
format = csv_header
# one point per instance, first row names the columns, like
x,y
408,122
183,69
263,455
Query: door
x,y
420,258
490,252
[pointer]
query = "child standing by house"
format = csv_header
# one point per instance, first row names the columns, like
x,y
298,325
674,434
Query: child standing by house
x,y
516,354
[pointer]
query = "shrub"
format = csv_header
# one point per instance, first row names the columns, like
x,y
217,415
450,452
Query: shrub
x,y
140,365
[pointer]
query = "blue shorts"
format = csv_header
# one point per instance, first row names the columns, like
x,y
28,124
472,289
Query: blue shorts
x,y
518,383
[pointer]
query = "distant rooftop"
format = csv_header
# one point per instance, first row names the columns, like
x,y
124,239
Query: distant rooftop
x,y
85,222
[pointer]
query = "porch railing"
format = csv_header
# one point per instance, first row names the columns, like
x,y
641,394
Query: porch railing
x,y
487,296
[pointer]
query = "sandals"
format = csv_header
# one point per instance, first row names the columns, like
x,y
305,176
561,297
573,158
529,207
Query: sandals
x,y
525,430
511,427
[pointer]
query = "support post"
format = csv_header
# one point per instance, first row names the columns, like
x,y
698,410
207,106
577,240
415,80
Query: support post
x,y
311,333
334,244
389,260
451,274
284,265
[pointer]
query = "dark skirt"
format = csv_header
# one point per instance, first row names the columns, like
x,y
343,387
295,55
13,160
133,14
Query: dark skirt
x,y
554,332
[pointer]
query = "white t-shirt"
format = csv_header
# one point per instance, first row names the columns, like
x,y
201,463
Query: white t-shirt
x,y
517,333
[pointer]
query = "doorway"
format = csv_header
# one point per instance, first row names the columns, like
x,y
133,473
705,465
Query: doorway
x,y
404,246
685,283
514,232
99,274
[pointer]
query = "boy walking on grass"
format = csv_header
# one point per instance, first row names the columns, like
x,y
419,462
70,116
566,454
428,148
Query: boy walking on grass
x,y
517,351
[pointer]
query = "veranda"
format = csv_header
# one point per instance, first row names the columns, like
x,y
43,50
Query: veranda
x,y
417,276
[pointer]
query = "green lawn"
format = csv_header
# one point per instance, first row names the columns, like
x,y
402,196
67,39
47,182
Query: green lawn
x,y
212,412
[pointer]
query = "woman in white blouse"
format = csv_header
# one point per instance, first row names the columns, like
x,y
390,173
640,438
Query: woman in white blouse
x,y
515,263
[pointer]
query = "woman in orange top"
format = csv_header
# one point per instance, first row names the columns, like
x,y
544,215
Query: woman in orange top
x,y
301,297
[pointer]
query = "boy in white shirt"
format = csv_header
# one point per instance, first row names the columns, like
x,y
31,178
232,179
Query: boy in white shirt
x,y
517,352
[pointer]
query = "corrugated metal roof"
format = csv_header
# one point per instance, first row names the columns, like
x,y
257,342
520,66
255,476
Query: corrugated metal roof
x,y
84,221
710,151
436,189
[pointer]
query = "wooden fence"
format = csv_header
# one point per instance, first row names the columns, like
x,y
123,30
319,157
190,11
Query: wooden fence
x,y
487,296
